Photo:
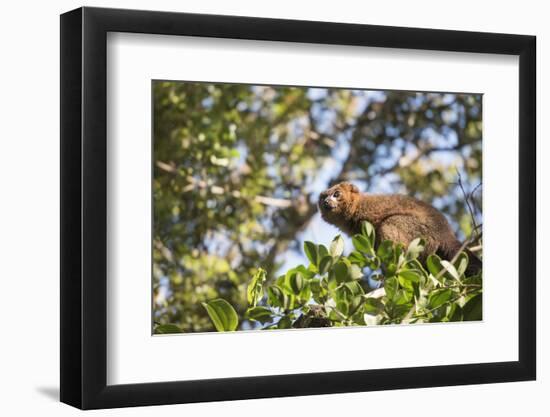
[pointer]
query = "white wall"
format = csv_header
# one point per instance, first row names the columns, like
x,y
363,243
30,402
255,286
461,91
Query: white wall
x,y
29,237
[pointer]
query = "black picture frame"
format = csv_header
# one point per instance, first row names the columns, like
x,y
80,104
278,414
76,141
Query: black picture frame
x,y
84,207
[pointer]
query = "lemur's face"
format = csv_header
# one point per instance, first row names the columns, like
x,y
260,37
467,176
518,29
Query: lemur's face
x,y
336,200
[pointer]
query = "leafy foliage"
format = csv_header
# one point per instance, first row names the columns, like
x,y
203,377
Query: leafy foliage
x,y
331,290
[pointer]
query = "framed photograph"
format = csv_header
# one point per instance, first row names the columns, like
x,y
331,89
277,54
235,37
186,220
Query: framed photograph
x,y
257,208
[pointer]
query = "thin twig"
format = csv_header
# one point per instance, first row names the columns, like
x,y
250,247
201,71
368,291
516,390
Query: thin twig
x,y
467,198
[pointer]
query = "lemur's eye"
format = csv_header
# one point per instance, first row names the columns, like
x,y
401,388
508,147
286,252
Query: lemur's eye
x,y
336,194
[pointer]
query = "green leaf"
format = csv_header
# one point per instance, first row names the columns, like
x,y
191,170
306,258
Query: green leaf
x,y
254,292
473,309
358,258
367,230
343,293
355,287
311,251
400,255
436,265
374,263
450,270
343,297
275,296
332,282
385,251
405,283
439,297
373,306
416,266
356,302
461,263
396,311
433,262
222,314
315,285
334,314
278,297
415,248
290,302
305,293
409,275
343,307
167,329
391,269
355,272
260,314
322,251
284,323
402,297
337,246
362,244
340,271
408,279
325,264
391,286
306,273
454,312
296,282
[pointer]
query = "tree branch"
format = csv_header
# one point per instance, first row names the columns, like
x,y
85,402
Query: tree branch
x,y
467,198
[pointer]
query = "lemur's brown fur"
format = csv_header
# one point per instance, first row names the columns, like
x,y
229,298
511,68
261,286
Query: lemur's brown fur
x,y
398,218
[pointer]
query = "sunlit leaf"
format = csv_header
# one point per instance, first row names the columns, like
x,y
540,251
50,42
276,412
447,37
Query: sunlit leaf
x,y
322,251
439,297
415,248
310,250
260,314
433,262
385,251
355,287
355,272
367,230
461,263
284,323
450,270
391,285
337,246
373,306
325,264
222,314
296,282
276,296
356,257
362,244
254,291
167,329
341,272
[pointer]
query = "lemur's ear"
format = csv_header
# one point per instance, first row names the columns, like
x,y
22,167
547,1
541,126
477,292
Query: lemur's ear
x,y
352,188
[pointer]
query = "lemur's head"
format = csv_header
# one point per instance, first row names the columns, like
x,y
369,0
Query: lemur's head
x,y
337,202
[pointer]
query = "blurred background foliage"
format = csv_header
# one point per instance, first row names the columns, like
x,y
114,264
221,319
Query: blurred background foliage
x,y
238,170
